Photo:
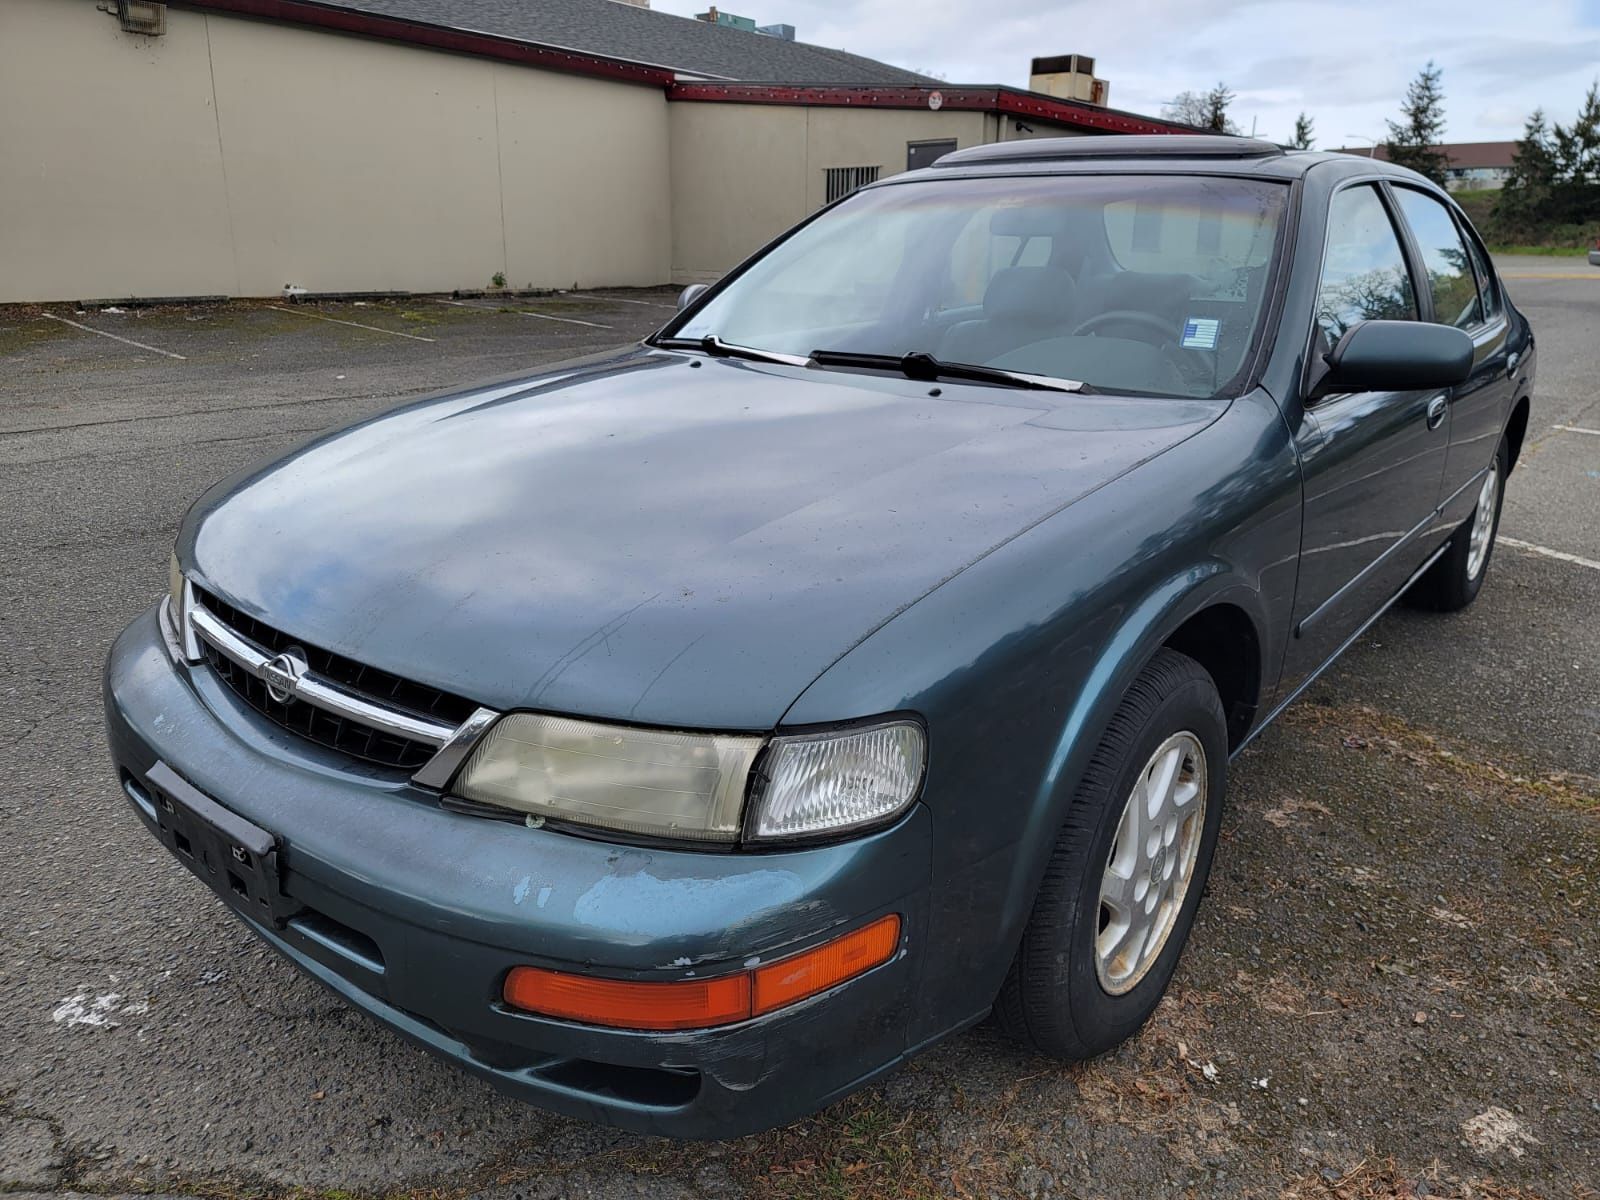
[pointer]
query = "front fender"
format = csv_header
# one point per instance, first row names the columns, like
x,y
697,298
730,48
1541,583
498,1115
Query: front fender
x,y
1018,664
1147,627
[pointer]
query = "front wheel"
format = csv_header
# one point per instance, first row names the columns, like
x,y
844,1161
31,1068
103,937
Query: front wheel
x,y
1127,871
1454,581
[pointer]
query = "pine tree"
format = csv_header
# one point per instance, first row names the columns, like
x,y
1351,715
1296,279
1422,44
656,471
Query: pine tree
x,y
1304,133
1414,141
1553,190
1575,150
1526,194
1217,101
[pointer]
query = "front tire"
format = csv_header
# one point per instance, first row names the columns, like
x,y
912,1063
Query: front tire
x,y
1454,581
1126,875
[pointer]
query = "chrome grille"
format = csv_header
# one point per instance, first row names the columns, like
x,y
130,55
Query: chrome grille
x,y
348,706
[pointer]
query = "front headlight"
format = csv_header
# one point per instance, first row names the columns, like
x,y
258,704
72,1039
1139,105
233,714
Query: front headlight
x,y
660,783
174,584
644,781
175,616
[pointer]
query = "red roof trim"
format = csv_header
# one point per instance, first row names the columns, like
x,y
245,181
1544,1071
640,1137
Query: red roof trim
x,y
1009,101
986,99
437,37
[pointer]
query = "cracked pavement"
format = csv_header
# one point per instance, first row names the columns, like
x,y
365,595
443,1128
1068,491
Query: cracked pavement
x,y
1392,983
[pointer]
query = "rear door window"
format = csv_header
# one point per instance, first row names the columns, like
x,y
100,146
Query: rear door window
x,y
1444,257
1364,274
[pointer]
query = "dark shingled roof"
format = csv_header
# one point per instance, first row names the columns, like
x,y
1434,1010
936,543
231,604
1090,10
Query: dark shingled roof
x,y
617,30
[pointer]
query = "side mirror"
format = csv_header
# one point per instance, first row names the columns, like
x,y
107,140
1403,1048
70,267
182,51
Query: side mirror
x,y
690,294
1395,356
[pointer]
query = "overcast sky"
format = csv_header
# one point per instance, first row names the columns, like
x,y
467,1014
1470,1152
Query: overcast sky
x,y
1346,64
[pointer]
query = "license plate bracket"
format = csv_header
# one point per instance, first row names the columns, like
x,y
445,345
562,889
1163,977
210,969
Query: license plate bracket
x,y
234,857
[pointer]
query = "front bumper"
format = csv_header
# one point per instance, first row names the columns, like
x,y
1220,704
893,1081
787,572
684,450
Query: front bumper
x,y
415,914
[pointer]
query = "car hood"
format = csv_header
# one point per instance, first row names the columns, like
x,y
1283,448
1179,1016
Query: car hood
x,y
657,537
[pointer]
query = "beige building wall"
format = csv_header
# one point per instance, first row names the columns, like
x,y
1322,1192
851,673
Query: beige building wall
x,y
738,180
743,173
111,177
1032,128
233,157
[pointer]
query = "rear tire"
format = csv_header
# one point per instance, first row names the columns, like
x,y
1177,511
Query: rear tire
x,y
1080,984
1454,581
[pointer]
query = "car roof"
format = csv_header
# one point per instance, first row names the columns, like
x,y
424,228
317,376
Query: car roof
x,y
1177,153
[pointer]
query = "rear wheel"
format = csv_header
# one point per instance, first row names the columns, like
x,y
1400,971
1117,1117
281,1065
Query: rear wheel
x,y
1454,581
1125,877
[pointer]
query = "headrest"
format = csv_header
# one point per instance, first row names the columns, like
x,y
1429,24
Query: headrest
x,y
1157,294
1035,295
1028,220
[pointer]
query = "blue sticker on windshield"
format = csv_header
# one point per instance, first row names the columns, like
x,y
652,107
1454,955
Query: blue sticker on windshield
x,y
1199,333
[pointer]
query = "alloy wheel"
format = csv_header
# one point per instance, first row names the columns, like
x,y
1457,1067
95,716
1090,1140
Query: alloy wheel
x,y
1483,523
1152,862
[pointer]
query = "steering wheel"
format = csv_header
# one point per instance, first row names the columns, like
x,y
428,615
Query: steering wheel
x,y
1162,331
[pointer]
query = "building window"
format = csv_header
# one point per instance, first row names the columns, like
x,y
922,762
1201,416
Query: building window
x,y
844,180
925,154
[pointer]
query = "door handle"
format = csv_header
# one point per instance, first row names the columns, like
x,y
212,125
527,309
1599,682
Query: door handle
x,y
1511,364
1437,407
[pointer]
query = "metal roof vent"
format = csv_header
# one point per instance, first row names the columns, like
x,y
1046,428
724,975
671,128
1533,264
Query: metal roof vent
x,y
139,16
1068,77
1134,146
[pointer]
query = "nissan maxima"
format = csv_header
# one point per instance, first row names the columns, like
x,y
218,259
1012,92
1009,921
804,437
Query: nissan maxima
x,y
681,738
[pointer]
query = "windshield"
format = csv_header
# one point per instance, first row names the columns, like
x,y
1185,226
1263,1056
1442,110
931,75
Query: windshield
x,y
1135,283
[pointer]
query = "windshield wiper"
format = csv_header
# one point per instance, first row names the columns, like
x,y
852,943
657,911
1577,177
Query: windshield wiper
x,y
717,348
919,365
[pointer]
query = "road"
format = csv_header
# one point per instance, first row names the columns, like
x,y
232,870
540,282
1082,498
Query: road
x,y
1392,981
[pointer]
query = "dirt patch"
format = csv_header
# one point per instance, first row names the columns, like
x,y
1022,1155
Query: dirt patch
x,y
26,329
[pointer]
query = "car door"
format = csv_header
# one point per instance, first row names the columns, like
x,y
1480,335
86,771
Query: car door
x,y
1371,462
1463,292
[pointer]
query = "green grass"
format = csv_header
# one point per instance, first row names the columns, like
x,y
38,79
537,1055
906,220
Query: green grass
x,y
1542,251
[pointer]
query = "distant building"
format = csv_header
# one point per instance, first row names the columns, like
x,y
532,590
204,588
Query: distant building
x,y
1472,164
713,17
426,145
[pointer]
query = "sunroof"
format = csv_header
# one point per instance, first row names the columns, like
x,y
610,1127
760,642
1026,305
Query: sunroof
x,y
1165,145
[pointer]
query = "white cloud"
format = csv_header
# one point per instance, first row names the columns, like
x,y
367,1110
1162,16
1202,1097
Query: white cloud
x,y
1346,63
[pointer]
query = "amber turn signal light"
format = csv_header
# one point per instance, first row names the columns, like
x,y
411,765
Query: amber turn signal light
x,y
700,1004
793,979
685,1004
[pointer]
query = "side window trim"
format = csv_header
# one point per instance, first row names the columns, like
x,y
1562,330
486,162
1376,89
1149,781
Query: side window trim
x,y
1378,184
1489,285
1421,286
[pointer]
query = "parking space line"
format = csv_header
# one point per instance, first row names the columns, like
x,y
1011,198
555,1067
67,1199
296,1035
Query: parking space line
x,y
564,320
1558,555
525,313
624,300
115,337
1577,429
354,324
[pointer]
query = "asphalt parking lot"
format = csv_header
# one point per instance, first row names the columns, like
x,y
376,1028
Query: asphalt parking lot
x,y
1392,989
